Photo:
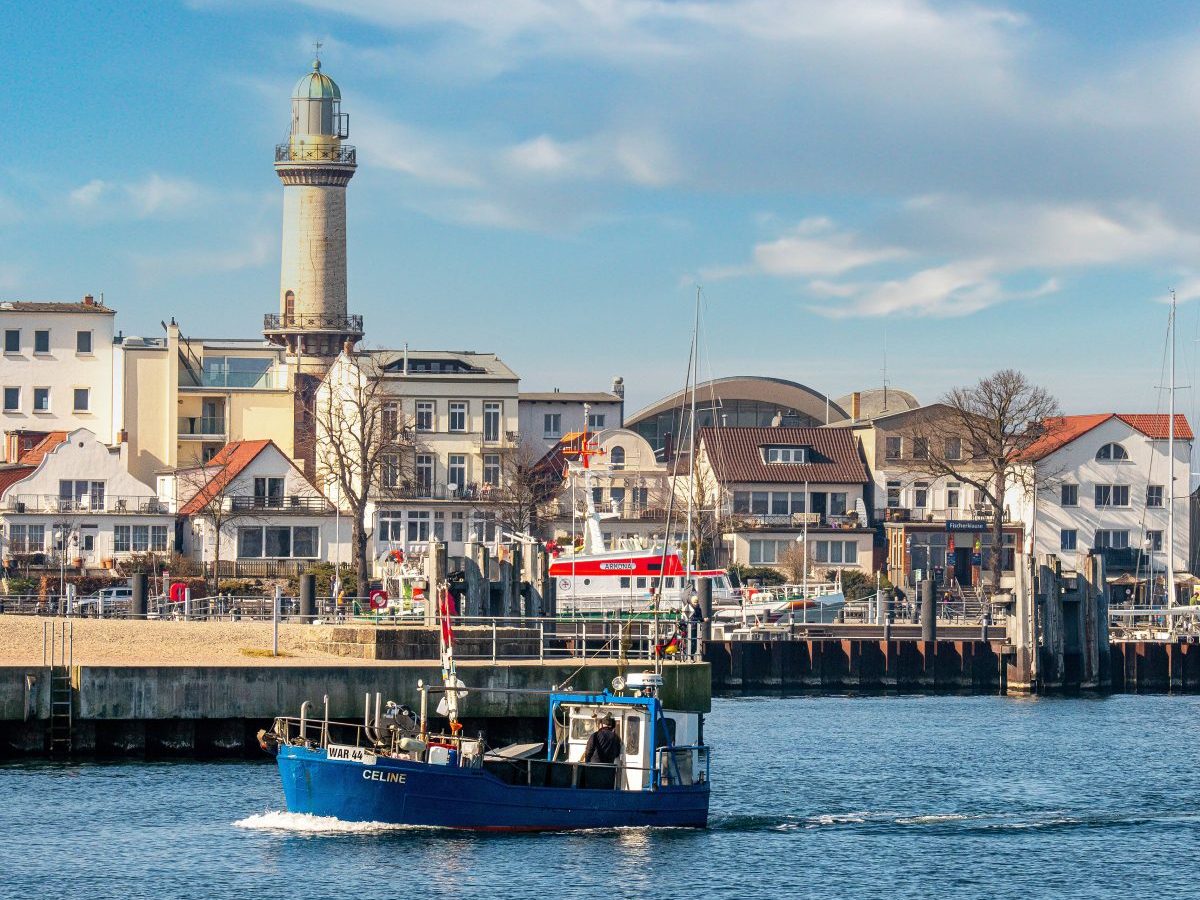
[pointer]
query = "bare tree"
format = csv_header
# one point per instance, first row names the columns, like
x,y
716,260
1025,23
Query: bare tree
x,y
794,561
983,440
528,482
364,446
207,491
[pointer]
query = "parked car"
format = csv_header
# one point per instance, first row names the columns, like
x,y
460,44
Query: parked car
x,y
114,601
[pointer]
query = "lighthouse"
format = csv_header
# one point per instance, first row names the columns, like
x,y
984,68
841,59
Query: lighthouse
x,y
315,165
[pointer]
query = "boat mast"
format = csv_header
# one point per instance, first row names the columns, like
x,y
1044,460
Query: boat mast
x,y
1170,600
691,482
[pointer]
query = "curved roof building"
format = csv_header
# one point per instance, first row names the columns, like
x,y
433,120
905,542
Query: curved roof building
x,y
740,400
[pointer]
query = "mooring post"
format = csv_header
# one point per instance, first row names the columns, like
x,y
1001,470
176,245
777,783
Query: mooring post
x,y
308,597
275,606
138,584
706,607
928,615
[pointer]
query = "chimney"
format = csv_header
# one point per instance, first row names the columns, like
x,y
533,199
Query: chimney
x,y
89,300
122,436
348,348
855,405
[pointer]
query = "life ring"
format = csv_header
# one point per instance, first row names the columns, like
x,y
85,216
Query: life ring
x,y
379,599
177,592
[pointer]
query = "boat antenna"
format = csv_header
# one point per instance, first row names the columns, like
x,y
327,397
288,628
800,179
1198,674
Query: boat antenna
x,y
691,482
1171,479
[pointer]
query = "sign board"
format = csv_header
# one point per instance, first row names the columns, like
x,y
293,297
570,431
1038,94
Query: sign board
x,y
351,754
967,525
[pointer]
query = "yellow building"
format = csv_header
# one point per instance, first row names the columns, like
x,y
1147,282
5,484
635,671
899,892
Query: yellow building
x,y
181,399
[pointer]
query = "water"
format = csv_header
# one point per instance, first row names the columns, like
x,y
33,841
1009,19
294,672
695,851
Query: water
x,y
823,797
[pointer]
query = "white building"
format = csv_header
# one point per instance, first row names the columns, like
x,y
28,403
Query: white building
x,y
57,372
1104,485
75,487
543,417
268,517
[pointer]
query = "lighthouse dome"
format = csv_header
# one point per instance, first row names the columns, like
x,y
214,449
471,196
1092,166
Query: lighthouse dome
x,y
316,85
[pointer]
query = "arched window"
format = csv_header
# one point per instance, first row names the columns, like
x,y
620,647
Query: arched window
x,y
289,307
1111,452
616,456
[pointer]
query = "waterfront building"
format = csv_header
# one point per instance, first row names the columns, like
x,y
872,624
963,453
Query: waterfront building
x,y
57,372
1101,484
772,487
630,489
543,417
180,399
250,512
72,502
734,402
460,459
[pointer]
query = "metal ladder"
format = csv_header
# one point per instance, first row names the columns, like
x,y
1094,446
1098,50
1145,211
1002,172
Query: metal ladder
x,y
61,639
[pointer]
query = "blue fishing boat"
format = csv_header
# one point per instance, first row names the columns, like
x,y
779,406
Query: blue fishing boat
x,y
390,768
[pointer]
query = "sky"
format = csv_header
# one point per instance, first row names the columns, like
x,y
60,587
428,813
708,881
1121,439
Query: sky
x,y
922,191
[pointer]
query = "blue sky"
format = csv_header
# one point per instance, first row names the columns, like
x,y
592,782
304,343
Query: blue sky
x,y
971,185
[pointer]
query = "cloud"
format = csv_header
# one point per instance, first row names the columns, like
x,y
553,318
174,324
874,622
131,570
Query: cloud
x,y
251,252
642,159
152,197
815,248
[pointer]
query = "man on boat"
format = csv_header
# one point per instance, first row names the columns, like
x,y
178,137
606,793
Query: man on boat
x,y
604,744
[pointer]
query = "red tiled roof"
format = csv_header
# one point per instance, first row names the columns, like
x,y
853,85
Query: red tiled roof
x,y
1062,430
225,466
1158,425
735,455
10,476
34,455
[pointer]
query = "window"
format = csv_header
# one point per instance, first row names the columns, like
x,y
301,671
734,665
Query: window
x,y
921,494
953,448
760,503
250,543
1115,540
616,458
277,541
837,503
457,526
83,397
839,552
12,340
418,525
766,553
786,454
268,492
41,342
491,469
458,415
304,541
1112,495
41,399
595,420
83,342
121,539
158,537
390,470
798,502
1111,452
424,470
953,492
893,495
12,399
741,501
26,538
779,503
1154,495
920,448
389,420
552,425
491,421
425,411
390,526
456,470
80,494
1156,540
1069,494
1067,539
893,447
141,538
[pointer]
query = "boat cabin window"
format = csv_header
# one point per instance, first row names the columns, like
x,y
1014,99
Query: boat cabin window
x,y
670,582
633,735
641,583
624,581
582,727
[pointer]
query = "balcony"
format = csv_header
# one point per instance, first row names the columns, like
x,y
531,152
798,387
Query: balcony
x,y
289,504
503,440
201,428
627,511
469,492
53,504
305,322
341,154
794,521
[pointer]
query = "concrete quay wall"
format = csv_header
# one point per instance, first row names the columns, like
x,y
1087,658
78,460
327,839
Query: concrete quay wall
x,y
215,710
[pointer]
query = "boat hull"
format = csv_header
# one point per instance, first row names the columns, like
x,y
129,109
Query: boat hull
x,y
411,793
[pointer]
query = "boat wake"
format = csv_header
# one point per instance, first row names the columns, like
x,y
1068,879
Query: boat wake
x,y
306,823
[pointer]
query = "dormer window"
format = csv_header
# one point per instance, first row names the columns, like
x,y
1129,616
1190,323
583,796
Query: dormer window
x,y
1111,452
790,455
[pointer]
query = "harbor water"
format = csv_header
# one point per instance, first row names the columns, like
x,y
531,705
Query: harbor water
x,y
825,797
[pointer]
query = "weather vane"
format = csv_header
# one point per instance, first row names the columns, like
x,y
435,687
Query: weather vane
x,y
317,45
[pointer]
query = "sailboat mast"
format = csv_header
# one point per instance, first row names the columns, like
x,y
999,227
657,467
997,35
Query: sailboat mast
x,y
691,482
1171,480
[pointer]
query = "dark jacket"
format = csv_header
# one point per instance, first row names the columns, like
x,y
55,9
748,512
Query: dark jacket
x,y
604,745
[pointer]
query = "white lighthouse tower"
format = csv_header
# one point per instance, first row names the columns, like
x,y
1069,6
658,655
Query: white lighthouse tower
x,y
315,166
